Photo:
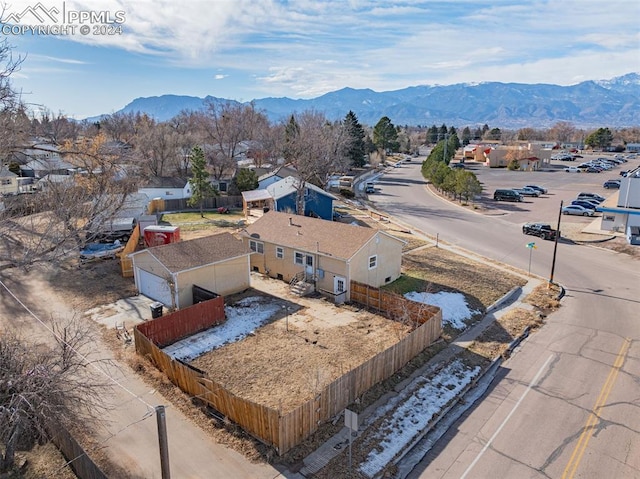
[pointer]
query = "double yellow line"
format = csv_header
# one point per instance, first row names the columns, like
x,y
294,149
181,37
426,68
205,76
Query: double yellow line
x,y
578,452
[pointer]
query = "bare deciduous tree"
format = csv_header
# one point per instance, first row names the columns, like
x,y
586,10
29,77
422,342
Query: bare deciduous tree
x,y
316,148
41,386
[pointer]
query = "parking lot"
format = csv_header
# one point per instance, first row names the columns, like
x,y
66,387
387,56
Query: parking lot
x,y
561,186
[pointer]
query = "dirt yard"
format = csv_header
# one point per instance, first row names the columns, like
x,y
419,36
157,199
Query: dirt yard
x,y
283,369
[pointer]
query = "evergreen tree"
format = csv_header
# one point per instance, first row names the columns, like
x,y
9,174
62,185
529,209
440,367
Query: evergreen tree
x,y
466,136
355,140
385,135
246,180
494,134
442,132
200,185
432,135
291,135
601,138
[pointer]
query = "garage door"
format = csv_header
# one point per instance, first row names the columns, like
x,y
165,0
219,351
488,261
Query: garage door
x,y
154,287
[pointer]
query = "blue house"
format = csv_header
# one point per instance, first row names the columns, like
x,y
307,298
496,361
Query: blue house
x,y
317,202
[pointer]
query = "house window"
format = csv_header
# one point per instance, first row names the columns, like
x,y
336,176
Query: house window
x,y
279,252
298,258
256,246
373,261
168,193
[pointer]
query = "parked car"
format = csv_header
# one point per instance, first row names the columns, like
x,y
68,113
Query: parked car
x,y
543,230
369,188
527,191
591,196
611,184
592,169
456,166
577,210
543,191
507,195
585,204
572,169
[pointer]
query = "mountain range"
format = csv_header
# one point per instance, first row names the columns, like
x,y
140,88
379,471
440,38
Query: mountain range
x,y
605,103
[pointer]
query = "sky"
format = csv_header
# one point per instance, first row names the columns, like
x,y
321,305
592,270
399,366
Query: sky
x,y
93,57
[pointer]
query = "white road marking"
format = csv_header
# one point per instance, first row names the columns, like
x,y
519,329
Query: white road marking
x,y
495,434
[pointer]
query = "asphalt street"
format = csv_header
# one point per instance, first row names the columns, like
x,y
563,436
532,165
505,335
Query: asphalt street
x,y
566,405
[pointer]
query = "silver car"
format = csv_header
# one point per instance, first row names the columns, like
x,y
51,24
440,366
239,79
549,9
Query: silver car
x,y
577,210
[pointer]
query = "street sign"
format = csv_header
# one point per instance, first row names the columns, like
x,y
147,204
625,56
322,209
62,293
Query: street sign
x,y
351,420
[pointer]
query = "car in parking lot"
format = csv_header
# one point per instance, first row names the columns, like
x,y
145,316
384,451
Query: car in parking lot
x,y
572,169
585,204
542,190
543,230
611,184
527,191
507,195
591,196
592,169
577,210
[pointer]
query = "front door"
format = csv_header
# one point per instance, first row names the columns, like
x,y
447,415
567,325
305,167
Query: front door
x,y
308,263
339,289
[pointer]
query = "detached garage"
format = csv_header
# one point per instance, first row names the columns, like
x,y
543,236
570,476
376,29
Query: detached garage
x,y
168,273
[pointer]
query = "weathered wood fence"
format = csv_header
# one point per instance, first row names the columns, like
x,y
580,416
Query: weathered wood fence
x,y
126,263
81,463
280,429
393,305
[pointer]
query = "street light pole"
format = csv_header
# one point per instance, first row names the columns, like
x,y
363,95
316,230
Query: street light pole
x,y
555,247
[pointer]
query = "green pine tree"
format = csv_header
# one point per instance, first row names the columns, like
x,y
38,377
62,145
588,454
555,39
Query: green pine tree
x,y
201,187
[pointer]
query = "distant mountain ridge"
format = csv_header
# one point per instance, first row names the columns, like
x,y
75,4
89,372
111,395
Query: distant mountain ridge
x,y
611,103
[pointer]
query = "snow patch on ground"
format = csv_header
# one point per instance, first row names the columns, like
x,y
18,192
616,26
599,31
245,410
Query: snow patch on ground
x,y
412,416
453,305
243,317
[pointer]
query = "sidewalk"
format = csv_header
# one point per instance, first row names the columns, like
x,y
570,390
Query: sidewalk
x,y
336,445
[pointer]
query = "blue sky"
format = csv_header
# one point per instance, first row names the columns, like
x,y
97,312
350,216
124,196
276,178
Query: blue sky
x,y
246,49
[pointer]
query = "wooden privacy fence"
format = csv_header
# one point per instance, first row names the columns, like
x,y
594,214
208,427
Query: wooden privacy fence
x,y
297,425
393,305
280,429
181,204
126,263
82,465
184,322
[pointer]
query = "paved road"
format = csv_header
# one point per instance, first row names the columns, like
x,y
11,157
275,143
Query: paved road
x,y
566,405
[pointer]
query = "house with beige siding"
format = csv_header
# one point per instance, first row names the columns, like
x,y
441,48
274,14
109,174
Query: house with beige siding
x,y
8,182
218,263
324,255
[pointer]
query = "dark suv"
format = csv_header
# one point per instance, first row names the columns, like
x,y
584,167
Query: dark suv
x,y
543,230
507,195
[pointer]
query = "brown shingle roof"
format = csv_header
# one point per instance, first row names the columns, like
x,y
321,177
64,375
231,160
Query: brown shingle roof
x,y
310,234
190,254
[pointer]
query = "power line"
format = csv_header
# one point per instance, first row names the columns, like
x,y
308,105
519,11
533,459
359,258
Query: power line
x,y
82,356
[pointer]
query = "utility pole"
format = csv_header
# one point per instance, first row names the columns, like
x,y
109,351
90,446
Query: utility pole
x,y
162,440
555,247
